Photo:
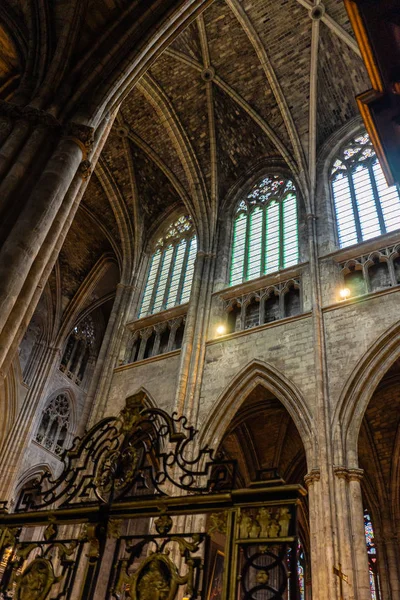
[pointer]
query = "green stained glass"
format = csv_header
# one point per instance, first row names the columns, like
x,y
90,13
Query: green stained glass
x,y
265,235
170,274
188,274
272,245
155,261
238,252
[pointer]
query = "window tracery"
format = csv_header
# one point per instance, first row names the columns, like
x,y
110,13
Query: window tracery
x,y
54,424
170,274
79,350
265,236
365,206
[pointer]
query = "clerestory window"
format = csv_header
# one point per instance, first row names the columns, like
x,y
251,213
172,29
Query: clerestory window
x,y
265,234
365,206
54,424
170,274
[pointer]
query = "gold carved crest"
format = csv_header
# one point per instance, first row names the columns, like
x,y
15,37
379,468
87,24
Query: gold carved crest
x,y
36,580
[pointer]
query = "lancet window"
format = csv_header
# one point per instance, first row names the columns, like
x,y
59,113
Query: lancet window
x,y
365,206
265,235
372,557
79,350
170,275
54,423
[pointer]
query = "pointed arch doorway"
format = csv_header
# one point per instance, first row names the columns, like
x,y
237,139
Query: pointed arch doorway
x,y
264,442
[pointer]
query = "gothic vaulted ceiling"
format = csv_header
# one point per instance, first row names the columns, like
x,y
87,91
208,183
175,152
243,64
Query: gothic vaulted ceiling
x,y
247,81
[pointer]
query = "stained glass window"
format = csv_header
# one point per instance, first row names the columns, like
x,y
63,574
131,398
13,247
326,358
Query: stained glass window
x,y
372,557
365,206
169,278
265,233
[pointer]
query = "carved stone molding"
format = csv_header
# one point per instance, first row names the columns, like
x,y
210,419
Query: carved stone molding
x,y
349,474
82,135
313,476
31,114
341,472
355,474
85,169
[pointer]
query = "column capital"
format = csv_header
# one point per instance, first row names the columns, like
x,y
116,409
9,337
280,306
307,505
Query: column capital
x,y
311,477
33,115
82,135
204,254
341,471
355,474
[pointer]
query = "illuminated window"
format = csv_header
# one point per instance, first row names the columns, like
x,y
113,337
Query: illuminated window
x,y
170,274
265,235
365,206
372,557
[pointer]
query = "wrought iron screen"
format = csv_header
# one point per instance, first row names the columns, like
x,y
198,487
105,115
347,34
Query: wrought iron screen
x,y
139,512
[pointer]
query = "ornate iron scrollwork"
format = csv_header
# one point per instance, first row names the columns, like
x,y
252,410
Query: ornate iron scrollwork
x,y
143,451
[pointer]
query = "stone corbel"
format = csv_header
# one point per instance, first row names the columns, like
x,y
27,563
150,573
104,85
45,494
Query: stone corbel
x,y
312,477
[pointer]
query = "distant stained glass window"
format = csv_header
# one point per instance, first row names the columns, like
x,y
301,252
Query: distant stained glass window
x,y
170,275
372,557
265,234
365,206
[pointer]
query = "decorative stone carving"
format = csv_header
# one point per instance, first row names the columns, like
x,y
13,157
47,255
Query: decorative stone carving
x,y
36,580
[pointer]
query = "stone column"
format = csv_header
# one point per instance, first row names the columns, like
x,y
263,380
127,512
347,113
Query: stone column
x,y
344,530
390,542
359,550
312,481
29,232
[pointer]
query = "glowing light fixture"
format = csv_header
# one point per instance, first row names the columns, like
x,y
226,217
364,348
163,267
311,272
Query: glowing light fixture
x,y
344,293
221,330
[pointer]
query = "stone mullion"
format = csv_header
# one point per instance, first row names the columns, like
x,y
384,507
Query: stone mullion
x,y
54,443
376,199
80,359
159,328
144,336
169,278
246,246
72,356
281,235
263,239
184,267
353,196
156,282
174,326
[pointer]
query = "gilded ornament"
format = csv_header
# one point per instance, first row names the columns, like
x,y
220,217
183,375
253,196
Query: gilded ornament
x,y
163,524
218,523
36,581
262,577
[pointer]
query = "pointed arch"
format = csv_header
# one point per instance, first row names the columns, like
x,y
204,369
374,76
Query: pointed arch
x,y
229,402
358,391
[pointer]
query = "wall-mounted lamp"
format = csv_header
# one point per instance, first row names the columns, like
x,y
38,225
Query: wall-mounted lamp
x,y
344,293
221,330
